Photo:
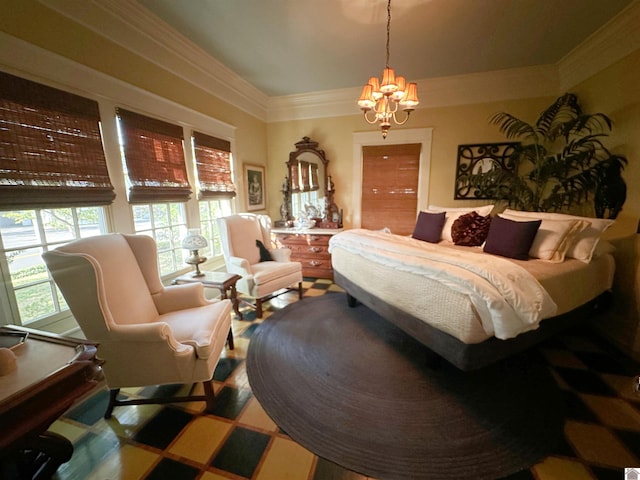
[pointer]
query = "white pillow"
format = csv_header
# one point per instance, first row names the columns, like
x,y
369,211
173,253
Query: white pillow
x,y
603,248
452,214
554,237
586,241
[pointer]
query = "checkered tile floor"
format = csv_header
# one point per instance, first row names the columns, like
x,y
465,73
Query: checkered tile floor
x,y
239,441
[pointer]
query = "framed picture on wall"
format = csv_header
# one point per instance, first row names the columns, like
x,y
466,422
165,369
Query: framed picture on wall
x,y
254,181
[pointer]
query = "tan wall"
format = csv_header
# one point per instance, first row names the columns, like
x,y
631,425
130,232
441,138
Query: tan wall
x,y
615,92
452,126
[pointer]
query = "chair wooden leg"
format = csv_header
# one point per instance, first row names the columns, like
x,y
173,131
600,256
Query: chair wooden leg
x,y
113,395
230,339
258,308
299,290
210,397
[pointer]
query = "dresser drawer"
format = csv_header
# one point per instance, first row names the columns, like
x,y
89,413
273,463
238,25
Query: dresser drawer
x,y
311,250
302,239
306,250
317,268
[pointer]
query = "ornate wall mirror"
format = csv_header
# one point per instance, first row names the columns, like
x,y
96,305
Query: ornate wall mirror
x,y
308,189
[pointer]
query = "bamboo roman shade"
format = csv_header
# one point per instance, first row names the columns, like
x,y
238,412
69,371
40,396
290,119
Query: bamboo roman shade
x,y
51,151
154,157
213,165
390,187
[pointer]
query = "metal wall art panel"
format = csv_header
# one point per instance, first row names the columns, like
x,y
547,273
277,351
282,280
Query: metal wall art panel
x,y
477,168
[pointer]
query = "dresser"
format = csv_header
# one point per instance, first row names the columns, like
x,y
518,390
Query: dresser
x,y
310,247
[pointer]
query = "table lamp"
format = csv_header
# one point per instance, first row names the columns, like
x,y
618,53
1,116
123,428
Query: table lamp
x,y
192,242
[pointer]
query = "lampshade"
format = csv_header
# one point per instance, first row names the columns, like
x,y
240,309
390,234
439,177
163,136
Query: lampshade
x,y
193,240
410,99
366,100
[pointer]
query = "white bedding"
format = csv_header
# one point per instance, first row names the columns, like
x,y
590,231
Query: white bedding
x,y
508,299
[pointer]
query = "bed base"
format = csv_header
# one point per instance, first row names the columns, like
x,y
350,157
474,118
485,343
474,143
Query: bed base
x,y
470,356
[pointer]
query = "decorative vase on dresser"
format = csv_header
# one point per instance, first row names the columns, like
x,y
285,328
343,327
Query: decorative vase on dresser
x,y
309,246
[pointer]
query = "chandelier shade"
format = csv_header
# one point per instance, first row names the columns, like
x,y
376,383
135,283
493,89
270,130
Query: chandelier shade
x,y
384,98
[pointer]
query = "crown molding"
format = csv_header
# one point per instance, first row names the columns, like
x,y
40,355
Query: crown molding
x,y
24,59
475,88
130,25
133,27
614,41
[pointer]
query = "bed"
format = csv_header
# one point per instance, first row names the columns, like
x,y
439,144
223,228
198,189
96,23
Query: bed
x,y
467,305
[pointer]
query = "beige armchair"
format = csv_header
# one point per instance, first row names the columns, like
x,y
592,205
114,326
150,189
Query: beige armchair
x,y
148,334
261,280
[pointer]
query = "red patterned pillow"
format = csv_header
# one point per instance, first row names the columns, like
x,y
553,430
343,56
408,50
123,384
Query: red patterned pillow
x,y
470,229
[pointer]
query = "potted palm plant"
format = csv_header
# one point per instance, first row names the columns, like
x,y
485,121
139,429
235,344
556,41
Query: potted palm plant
x,y
560,163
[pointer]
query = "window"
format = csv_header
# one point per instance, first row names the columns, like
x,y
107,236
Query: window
x,y
166,224
390,187
209,211
24,235
214,170
54,181
156,174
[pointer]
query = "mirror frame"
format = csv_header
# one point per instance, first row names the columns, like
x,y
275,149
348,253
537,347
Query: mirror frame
x,y
332,216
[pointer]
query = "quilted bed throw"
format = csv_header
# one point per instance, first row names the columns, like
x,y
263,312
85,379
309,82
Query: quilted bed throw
x,y
508,299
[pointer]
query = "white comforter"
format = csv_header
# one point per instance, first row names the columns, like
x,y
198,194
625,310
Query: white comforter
x,y
509,300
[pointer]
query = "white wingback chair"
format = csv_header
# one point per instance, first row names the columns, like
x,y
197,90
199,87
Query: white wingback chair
x,y
261,280
148,334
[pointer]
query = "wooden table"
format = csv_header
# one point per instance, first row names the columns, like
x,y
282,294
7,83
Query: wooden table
x,y
53,372
223,281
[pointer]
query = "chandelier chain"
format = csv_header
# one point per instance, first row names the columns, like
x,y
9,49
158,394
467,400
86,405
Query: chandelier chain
x,y
388,28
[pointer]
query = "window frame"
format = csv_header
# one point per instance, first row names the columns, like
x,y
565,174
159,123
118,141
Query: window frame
x,y
157,230
44,241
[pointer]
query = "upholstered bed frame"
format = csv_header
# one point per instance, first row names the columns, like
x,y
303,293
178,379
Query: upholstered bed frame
x,y
463,355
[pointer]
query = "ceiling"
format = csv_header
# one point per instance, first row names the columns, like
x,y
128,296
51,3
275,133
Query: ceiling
x,y
285,47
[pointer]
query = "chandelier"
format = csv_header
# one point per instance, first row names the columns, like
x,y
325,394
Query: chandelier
x,y
384,98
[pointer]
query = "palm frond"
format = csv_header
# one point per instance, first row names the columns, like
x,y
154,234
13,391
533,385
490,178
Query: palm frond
x,y
591,123
561,161
548,123
513,127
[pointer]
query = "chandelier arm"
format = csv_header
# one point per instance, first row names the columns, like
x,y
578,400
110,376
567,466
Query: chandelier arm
x,y
405,118
370,121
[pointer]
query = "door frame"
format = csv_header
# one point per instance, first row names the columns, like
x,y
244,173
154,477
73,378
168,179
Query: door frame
x,y
409,135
